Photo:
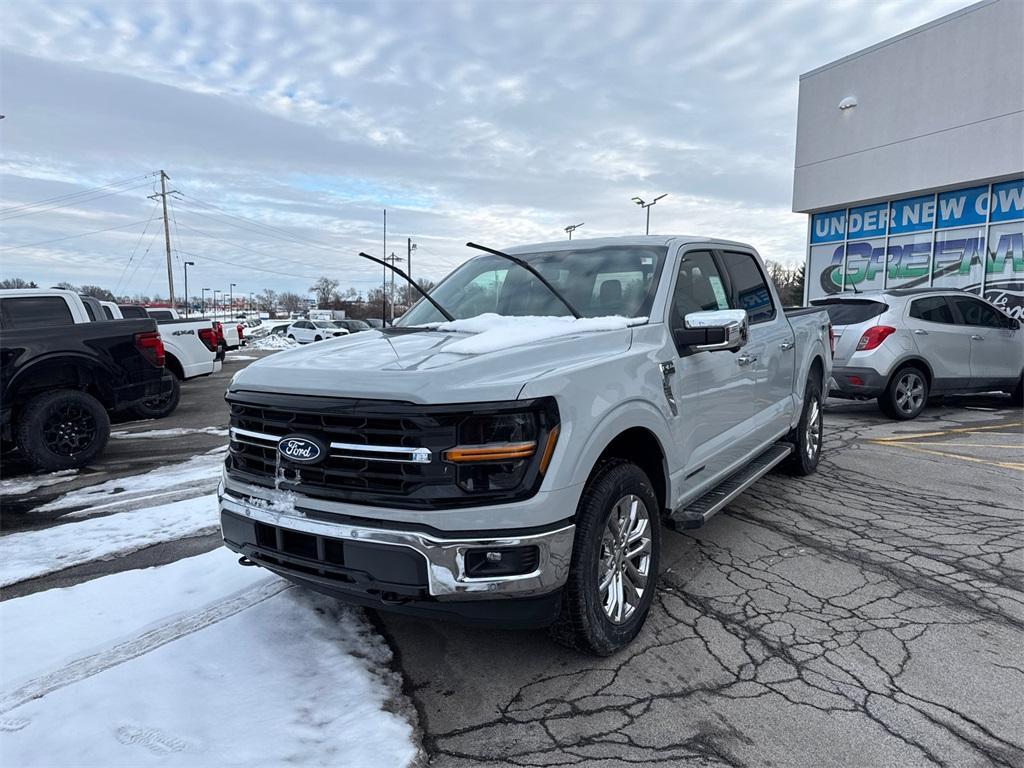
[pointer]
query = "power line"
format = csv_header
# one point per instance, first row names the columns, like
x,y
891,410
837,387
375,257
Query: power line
x,y
138,242
141,259
9,214
248,250
12,208
69,237
248,266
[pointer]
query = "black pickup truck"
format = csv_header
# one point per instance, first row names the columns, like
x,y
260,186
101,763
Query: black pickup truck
x,y
60,378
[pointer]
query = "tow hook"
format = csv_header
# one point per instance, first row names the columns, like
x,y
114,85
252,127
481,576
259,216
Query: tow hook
x,y
390,598
243,560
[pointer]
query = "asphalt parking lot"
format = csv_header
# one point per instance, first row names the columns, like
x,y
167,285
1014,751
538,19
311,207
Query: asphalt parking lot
x,y
870,615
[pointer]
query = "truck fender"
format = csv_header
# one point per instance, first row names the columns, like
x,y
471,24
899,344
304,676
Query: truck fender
x,y
39,367
587,448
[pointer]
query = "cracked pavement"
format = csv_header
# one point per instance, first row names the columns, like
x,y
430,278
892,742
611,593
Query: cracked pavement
x,y
869,615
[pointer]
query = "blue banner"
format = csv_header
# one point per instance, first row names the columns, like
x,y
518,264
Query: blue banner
x,y
1008,201
828,227
915,214
963,207
867,221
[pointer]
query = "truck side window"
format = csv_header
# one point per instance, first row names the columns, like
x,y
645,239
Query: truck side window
x,y
932,309
699,287
749,287
36,312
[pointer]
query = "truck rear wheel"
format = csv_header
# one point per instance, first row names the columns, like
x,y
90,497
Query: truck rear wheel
x,y
614,569
162,405
62,430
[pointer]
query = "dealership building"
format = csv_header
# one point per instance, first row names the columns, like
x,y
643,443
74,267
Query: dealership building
x,y
910,160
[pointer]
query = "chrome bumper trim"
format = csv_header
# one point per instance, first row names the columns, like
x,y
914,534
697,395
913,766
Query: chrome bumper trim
x,y
446,577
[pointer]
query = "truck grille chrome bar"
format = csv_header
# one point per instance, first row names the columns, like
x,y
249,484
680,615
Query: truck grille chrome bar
x,y
342,450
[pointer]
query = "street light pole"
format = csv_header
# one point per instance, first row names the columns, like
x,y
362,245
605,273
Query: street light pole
x,y
203,294
215,292
187,265
231,303
572,228
647,206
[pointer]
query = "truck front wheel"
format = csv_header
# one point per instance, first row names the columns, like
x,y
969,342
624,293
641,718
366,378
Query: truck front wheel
x,y
614,568
62,430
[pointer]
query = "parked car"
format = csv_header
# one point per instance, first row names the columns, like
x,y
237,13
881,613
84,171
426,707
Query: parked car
x,y
374,322
306,331
905,345
352,326
509,470
61,374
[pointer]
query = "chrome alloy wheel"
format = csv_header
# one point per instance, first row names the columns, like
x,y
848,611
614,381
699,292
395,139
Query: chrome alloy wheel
x,y
813,436
625,562
909,391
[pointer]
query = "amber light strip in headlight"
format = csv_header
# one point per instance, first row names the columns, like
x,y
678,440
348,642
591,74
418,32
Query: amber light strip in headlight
x,y
462,454
549,449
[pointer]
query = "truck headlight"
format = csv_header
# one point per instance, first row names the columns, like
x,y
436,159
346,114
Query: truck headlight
x,y
499,451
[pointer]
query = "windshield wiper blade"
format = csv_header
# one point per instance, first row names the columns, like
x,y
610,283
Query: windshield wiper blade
x,y
447,315
533,271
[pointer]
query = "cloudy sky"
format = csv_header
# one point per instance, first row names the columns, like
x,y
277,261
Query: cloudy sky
x,y
288,127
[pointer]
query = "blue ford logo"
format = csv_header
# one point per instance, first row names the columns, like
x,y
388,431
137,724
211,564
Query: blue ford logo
x,y
300,449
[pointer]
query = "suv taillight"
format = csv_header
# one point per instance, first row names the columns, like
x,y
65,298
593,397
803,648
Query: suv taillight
x,y
151,345
209,338
874,336
219,330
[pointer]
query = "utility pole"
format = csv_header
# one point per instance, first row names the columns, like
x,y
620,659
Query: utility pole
x,y
393,258
167,234
384,283
408,263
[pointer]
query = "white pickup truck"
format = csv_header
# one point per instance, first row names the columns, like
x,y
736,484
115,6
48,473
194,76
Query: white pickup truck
x,y
509,451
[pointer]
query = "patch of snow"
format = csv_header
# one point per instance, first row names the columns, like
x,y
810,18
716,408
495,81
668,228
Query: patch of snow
x,y
243,357
496,332
31,482
191,472
197,663
176,432
273,342
31,554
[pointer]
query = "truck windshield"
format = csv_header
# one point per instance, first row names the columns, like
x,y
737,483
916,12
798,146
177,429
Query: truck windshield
x,y
614,280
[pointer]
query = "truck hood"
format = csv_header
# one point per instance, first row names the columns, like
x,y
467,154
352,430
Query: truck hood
x,y
419,367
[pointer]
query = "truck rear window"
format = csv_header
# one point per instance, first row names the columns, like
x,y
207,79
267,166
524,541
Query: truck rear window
x,y
35,312
850,311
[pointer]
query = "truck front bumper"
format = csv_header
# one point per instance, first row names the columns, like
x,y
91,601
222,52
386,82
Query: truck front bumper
x,y
404,568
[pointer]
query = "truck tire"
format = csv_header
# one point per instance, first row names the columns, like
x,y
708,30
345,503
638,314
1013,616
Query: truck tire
x,y
319,338
164,405
809,433
906,394
609,591
63,429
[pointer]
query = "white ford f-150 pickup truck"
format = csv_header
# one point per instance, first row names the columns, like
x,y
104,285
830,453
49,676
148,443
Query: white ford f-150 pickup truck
x,y
508,453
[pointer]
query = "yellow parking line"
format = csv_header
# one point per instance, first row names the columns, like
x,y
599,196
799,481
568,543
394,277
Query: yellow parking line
x,y
912,447
1018,447
943,433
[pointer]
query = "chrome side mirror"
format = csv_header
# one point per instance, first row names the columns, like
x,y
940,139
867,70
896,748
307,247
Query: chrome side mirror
x,y
714,330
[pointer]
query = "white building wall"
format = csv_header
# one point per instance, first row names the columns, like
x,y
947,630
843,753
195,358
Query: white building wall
x,y
937,107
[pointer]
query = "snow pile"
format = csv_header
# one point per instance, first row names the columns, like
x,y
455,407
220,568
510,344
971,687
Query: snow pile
x,y
197,663
176,432
272,342
495,332
31,482
30,554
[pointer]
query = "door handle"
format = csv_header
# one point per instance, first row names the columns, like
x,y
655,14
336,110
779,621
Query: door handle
x,y
786,346
746,359
976,337
920,331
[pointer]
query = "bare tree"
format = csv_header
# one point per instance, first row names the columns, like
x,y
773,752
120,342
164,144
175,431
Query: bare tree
x,y
789,282
266,299
324,288
290,302
96,292
17,282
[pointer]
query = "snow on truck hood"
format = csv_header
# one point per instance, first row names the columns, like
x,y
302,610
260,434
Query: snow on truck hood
x,y
484,358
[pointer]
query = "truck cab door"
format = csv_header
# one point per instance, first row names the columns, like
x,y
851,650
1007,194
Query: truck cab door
x,y
769,358
713,390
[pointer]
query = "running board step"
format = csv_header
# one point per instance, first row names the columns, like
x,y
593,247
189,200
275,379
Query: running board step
x,y
698,513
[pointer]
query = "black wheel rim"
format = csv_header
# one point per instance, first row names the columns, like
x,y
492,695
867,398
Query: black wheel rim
x,y
69,430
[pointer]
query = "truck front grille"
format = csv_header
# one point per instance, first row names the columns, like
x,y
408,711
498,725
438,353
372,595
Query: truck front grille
x,y
377,452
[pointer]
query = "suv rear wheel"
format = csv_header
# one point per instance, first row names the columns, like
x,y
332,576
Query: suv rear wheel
x,y
614,568
62,429
906,394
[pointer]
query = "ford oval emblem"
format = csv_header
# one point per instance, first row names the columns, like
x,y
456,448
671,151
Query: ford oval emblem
x,y
303,450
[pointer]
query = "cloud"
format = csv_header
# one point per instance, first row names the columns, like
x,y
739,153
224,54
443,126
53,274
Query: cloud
x,y
498,122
